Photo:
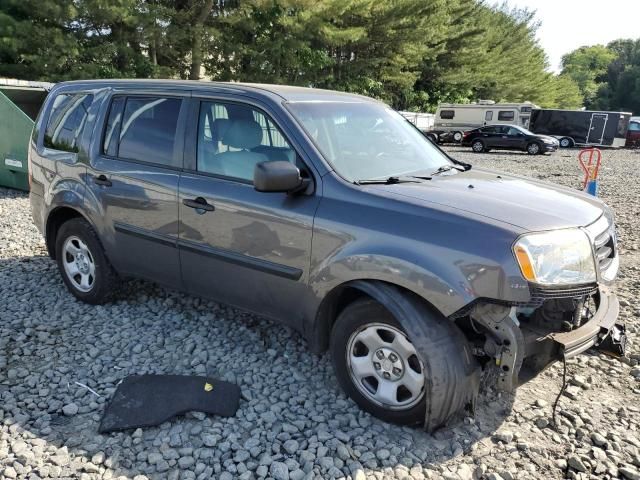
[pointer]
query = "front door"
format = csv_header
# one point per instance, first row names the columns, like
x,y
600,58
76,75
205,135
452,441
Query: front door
x,y
134,180
596,129
515,139
237,245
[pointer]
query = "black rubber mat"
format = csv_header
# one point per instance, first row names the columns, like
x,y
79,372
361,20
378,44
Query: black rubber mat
x,y
148,400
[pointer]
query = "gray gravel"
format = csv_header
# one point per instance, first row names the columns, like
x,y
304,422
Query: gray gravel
x,y
293,421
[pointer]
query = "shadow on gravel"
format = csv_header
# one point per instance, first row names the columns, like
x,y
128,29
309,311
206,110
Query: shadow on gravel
x,y
55,350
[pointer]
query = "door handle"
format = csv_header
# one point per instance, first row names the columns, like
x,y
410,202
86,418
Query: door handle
x,y
200,204
102,180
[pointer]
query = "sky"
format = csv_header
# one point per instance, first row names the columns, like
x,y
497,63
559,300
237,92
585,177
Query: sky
x,y
569,24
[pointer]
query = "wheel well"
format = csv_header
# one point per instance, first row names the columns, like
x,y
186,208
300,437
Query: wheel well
x,y
333,304
54,222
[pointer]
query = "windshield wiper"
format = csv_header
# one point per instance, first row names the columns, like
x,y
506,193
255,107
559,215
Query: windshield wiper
x,y
446,168
391,180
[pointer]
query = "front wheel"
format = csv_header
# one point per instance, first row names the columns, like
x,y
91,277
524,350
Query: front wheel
x,y
85,269
377,365
533,148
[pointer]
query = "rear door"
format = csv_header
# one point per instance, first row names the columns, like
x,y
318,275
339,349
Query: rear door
x,y
134,179
596,129
238,245
488,117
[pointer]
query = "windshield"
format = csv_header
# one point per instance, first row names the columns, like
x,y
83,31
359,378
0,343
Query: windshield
x,y
365,140
524,130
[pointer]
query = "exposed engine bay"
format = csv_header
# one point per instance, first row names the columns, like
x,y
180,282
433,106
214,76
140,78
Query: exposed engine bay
x,y
520,341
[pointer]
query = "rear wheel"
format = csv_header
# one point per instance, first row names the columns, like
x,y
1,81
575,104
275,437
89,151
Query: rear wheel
x,y
478,146
81,260
377,365
566,142
533,148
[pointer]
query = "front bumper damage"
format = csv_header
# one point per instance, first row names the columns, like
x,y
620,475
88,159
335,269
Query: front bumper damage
x,y
513,340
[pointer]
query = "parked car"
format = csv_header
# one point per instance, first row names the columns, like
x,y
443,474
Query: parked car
x,y
508,137
331,213
633,133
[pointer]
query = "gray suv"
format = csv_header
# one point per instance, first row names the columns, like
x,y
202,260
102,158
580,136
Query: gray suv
x,y
331,213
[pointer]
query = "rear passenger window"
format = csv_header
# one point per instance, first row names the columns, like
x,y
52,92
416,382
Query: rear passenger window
x,y
233,138
506,115
66,121
447,114
143,129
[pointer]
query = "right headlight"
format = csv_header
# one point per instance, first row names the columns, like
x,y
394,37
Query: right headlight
x,y
561,257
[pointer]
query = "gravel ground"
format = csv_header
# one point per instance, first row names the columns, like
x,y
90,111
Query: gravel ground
x,y
293,421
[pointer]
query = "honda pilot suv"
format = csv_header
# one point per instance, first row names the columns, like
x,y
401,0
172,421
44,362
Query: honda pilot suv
x,y
332,214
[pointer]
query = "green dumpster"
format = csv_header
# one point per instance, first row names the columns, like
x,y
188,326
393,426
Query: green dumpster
x,y
20,102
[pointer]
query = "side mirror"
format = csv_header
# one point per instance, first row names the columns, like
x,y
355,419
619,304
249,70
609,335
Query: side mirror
x,y
278,176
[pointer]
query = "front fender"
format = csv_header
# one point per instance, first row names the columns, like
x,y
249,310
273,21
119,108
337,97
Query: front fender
x,y
445,286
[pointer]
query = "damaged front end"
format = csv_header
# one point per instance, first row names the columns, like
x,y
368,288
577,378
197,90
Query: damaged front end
x,y
522,340
558,321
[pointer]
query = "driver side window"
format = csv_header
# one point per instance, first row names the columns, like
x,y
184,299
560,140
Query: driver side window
x,y
233,138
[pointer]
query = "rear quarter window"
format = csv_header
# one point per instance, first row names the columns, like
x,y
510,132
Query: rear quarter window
x,y
66,121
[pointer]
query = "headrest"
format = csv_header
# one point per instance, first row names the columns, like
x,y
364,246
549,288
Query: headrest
x,y
220,127
245,134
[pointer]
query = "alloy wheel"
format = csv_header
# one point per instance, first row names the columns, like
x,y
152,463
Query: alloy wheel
x,y
79,265
477,147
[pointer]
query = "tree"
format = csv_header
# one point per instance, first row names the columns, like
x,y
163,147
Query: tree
x,y
36,41
609,77
587,66
411,53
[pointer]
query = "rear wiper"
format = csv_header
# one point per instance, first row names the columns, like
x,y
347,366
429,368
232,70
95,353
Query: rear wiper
x,y
391,180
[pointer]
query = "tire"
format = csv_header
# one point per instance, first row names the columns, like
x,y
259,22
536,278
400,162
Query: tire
x,y
457,137
433,137
534,148
566,142
364,319
477,146
89,276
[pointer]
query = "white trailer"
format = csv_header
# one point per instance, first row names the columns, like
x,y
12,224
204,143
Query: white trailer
x,y
453,119
423,121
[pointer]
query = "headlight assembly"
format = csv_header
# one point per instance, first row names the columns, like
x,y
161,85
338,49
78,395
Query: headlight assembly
x,y
561,257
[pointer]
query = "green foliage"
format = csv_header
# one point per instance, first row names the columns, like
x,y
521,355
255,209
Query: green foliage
x,y
609,77
413,54
587,66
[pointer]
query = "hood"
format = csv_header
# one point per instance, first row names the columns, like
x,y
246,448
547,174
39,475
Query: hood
x,y
530,204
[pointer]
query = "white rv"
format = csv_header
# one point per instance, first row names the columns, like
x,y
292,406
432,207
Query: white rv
x,y
452,119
